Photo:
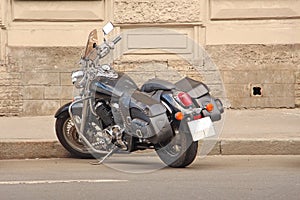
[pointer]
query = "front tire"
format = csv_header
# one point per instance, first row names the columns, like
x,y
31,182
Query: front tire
x,y
69,138
180,152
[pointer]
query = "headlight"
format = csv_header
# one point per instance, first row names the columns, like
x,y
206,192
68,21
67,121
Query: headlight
x,y
77,78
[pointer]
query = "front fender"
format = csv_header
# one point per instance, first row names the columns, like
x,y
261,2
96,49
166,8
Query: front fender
x,y
63,111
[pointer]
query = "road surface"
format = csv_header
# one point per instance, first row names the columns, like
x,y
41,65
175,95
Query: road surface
x,y
213,177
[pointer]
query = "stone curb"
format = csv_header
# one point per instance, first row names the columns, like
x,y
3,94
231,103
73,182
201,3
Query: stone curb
x,y
260,147
52,149
31,149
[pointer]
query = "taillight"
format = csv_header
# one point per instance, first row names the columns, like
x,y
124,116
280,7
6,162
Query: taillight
x,y
185,99
197,117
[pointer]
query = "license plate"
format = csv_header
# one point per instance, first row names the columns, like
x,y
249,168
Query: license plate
x,y
201,128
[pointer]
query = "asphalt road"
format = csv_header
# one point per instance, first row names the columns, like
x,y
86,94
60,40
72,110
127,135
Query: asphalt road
x,y
214,177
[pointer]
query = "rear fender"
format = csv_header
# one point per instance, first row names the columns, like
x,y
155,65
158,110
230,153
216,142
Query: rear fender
x,y
200,93
172,105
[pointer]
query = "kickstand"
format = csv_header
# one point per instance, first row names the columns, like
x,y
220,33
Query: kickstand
x,y
106,156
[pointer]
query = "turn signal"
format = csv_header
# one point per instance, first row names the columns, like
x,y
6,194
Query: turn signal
x,y
179,116
209,107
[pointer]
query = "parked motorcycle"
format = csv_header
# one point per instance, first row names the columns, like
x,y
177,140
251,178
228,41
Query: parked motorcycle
x,y
111,114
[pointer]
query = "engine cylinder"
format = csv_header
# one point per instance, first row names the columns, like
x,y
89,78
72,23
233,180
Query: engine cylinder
x,y
105,114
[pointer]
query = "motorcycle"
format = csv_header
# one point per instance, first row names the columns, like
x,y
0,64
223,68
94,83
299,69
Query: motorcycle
x,y
111,114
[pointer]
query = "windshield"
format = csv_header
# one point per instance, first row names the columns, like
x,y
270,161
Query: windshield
x,y
90,52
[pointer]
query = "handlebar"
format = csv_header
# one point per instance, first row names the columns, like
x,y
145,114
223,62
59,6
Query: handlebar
x,y
105,47
117,39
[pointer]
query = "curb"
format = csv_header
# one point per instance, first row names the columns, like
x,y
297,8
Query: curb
x,y
260,147
53,149
31,149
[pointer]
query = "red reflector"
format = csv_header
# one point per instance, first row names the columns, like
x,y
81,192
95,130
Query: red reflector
x,y
197,117
185,98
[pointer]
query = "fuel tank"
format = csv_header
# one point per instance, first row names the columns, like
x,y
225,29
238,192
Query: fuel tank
x,y
112,87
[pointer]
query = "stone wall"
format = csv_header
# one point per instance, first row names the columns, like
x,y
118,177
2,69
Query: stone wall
x,y
156,11
273,68
10,97
44,76
253,44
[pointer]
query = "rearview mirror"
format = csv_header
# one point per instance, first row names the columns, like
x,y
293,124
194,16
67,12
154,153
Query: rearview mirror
x,y
107,28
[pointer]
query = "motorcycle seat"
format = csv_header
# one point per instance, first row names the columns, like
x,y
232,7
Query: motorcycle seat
x,y
157,84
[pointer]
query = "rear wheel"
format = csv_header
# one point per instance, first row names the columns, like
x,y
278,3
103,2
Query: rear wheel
x,y
69,138
180,152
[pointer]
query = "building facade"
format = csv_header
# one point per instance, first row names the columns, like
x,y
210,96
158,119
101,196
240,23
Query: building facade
x,y
255,45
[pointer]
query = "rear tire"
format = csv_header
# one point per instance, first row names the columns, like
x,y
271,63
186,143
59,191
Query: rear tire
x,y
68,137
180,152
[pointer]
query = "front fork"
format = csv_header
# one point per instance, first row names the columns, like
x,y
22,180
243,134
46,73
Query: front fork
x,y
85,113
81,126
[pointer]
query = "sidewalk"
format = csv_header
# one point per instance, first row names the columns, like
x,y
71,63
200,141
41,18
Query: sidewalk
x,y
244,132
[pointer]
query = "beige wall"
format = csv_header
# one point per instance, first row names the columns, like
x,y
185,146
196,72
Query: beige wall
x,y
48,23
254,43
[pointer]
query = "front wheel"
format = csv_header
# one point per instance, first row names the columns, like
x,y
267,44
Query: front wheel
x,y
180,152
69,138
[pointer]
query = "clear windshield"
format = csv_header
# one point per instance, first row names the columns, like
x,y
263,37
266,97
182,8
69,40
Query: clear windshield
x,y
89,52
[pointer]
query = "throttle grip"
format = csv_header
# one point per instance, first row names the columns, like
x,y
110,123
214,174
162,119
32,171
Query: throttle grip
x,y
117,39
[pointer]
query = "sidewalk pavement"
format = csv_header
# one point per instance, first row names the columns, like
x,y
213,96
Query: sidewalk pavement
x,y
244,132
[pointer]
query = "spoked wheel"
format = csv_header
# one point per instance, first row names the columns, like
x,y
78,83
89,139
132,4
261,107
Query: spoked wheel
x,y
178,153
69,138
